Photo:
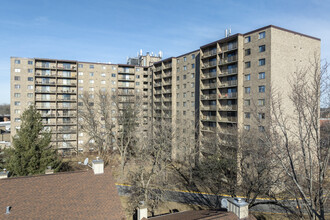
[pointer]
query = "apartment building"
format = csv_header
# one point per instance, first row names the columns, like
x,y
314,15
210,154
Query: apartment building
x,y
219,88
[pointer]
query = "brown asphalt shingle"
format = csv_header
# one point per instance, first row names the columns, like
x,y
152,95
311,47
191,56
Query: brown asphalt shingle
x,y
71,195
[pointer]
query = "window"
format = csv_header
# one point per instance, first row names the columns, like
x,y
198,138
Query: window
x,y
192,94
91,74
103,74
17,103
184,76
17,119
104,67
17,95
184,67
261,102
177,104
193,75
80,73
247,39
17,86
192,104
178,95
247,90
184,104
184,112
103,82
17,62
247,102
262,75
17,78
91,89
17,70
247,114
91,66
184,95
247,77
17,111
113,82
262,62
247,127
193,56
80,81
262,48
137,83
184,59
247,52
30,62
261,128
261,89
177,78
137,76
262,35
193,66
261,116
184,86
177,86
80,65
247,64
91,81
192,85
177,61
30,86
30,95
30,70
137,69
30,78
113,75
113,68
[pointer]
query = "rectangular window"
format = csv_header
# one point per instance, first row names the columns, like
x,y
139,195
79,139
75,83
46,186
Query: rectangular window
x,y
184,76
30,78
262,35
247,39
17,103
17,95
17,111
184,104
193,75
91,89
261,116
262,62
103,82
80,73
30,95
184,86
30,70
247,52
261,89
247,114
91,66
261,102
261,128
91,81
247,127
192,94
80,81
262,75
262,48
177,78
17,86
184,59
137,83
113,75
17,62
30,62
103,74
137,76
30,86
192,85
184,95
247,90
193,56
17,70
247,102
80,65
184,67
17,78
193,66
247,77
91,74
247,64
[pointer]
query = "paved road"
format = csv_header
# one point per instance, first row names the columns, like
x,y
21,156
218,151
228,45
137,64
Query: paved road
x,y
202,199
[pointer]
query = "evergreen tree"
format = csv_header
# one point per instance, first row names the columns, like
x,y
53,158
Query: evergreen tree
x,y
31,152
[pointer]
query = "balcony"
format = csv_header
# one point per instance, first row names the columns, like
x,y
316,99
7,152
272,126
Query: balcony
x,y
228,60
126,70
73,91
209,85
66,131
208,107
61,83
165,91
228,108
228,71
209,96
158,91
45,75
209,64
229,47
158,107
70,115
208,75
158,84
45,91
167,107
125,85
67,75
227,119
210,53
127,77
167,99
159,68
40,65
228,83
125,92
66,66
47,115
208,128
167,66
208,118
232,95
167,82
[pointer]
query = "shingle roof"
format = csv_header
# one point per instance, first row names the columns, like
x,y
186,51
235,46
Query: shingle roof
x,y
70,195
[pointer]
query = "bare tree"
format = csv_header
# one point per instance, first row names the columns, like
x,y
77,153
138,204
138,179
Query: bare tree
x,y
4,109
296,142
95,119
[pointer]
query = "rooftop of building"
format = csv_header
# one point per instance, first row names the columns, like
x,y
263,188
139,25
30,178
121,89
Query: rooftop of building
x,y
68,195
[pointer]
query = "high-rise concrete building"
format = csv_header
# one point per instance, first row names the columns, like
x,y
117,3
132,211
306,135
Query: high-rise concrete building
x,y
215,89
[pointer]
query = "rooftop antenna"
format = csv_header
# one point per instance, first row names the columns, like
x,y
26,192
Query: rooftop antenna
x,y
160,54
141,52
85,163
229,32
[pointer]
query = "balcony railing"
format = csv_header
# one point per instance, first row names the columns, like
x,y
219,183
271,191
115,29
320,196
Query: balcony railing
x,y
228,108
227,119
208,118
120,77
209,85
167,82
158,69
167,91
208,128
167,99
157,76
228,60
209,107
209,75
228,71
230,46
45,91
210,53
228,83
166,66
209,64
208,96
228,95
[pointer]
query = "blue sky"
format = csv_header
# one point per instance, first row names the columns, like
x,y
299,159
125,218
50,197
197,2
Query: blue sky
x,y
109,31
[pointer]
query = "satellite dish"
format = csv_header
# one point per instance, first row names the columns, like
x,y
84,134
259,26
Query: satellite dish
x,y
86,161
224,203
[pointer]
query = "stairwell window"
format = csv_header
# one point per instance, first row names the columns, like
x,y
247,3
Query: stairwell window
x,y
247,77
261,89
247,90
262,48
247,64
262,75
262,62
262,35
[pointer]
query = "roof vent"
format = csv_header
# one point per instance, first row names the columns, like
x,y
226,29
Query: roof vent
x,y
239,207
4,174
98,166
